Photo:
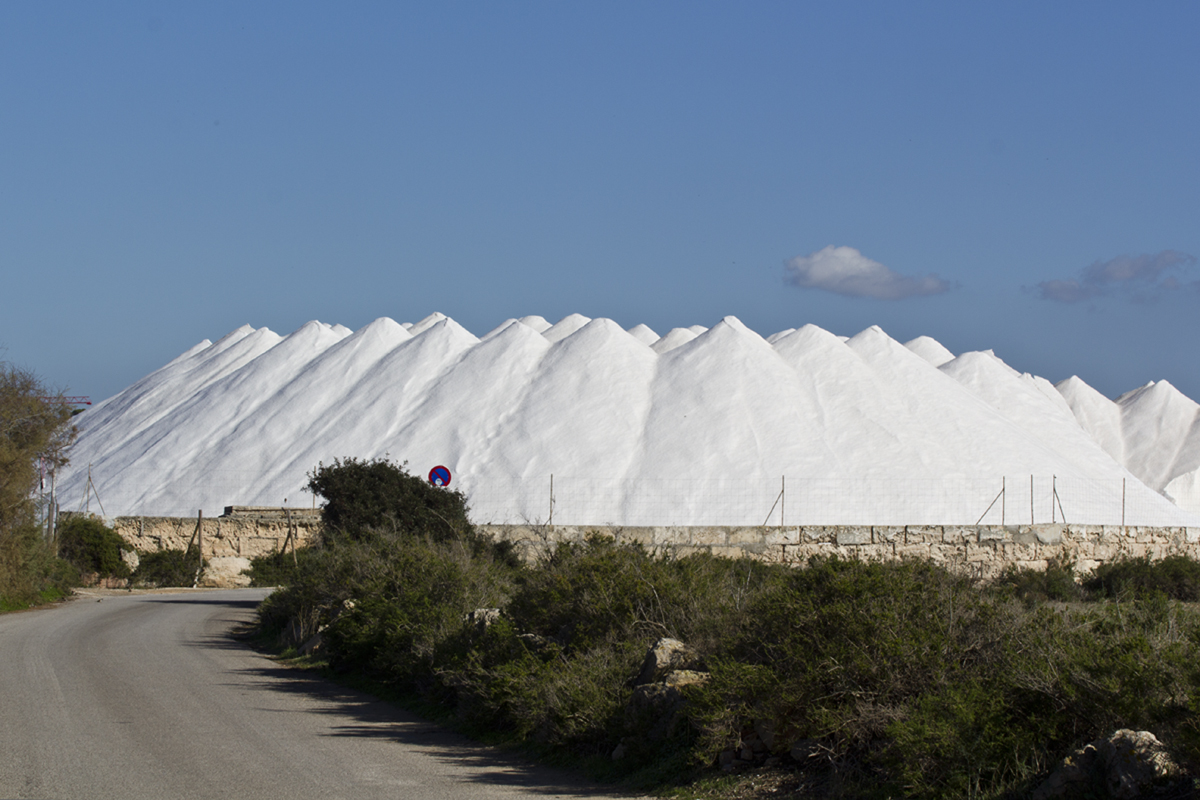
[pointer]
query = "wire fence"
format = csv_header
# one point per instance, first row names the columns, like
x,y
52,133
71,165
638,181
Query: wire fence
x,y
789,501
778,501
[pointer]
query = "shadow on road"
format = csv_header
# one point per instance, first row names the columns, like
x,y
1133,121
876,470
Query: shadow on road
x,y
356,714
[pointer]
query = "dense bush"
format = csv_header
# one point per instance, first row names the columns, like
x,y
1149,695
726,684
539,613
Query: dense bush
x,y
276,569
899,678
92,547
29,571
363,496
167,567
1057,582
33,432
1178,577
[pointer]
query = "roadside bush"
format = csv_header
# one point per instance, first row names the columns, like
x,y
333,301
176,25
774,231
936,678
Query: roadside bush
x,y
1177,576
395,598
30,573
277,569
365,496
167,567
601,591
1057,582
899,679
911,681
34,432
92,546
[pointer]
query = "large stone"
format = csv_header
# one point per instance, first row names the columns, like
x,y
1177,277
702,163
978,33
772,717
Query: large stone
x,y
665,656
1133,760
851,536
1126,764
226,572
1049,534
653,710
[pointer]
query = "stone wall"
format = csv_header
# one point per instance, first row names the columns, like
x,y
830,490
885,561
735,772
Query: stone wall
x,y
242,531
984,550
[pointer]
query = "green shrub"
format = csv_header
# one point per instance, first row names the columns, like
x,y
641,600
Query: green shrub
x,y
92,546
276,569
1057,582
30,574
34,433
903,678
601,591
363,496
1177,576
167,567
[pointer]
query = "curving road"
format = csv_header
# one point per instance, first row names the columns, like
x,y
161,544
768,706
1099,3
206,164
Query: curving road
x,y
147,696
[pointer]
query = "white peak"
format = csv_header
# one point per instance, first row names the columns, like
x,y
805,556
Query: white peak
x,y
244,330
427,323
496,331
930,349
445,327
381,329
311,325
643,334
539,324
674,338
810,337
512,330
697,329
1134,394
565,327
873,340
775,337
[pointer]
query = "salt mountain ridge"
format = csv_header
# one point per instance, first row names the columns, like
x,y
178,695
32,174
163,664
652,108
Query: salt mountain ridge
x,y
699,426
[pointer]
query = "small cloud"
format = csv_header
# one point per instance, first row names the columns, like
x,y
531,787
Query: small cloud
x,y
845,271
1137,278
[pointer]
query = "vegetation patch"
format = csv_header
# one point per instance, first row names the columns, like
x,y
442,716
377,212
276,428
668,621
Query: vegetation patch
x,y
834,679
35,432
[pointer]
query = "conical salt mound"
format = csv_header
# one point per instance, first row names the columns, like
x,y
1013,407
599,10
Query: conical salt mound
x,y
584,422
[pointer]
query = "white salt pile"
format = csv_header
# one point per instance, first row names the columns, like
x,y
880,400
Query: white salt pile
x,y
699,426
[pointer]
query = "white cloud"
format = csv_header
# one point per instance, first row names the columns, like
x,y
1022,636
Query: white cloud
x,y
845,271
1135,277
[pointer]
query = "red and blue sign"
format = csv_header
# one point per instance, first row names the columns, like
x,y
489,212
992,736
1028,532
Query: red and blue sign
x,y
439,476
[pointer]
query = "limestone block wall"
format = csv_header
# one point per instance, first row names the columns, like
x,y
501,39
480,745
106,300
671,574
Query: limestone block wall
x,y
244,531
984,550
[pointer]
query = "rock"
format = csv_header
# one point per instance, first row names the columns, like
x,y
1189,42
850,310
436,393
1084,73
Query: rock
x,y
766,732
1126,763
1076,772
653,710
481,618
1133,760
226,572
131,559
666,655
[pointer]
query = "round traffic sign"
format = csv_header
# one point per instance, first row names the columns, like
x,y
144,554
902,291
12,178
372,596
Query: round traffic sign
x,y
439,476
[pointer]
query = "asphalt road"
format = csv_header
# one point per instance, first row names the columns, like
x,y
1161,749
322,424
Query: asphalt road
x,y
148,696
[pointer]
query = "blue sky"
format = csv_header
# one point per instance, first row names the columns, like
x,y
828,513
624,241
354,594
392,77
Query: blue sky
x,y
1021,176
